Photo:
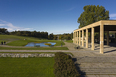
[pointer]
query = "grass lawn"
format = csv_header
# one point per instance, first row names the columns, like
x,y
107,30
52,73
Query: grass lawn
x,y
34,48
26,67
69,41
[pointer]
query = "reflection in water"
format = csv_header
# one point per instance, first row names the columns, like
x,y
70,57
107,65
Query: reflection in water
x,y
32,44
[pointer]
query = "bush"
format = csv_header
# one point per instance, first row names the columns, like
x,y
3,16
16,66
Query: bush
x,y
64,66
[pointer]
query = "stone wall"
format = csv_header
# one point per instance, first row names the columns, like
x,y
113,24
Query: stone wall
x,y
26,55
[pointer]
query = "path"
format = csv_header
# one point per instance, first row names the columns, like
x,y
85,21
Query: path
x,y
92,63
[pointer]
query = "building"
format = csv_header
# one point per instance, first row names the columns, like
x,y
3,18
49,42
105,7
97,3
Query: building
x,y
103,26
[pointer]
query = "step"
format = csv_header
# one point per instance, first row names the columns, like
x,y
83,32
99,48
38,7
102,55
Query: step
x,y
97,71
95,59
96,65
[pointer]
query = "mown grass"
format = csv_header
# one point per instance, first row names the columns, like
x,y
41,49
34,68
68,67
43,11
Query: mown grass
x,y
34,48
26,67
69,41
19,40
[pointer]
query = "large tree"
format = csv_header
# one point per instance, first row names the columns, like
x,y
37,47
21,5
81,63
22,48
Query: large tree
x,y
92,14
3,31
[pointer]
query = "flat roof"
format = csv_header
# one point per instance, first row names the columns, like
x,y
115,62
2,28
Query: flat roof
x,y
109,25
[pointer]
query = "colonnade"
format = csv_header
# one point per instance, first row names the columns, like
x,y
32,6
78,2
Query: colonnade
x,y
78,34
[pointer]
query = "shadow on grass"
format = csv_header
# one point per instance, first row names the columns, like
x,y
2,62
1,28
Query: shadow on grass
x,y
82,73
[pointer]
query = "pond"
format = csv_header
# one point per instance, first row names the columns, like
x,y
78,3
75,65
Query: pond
x,y
43,44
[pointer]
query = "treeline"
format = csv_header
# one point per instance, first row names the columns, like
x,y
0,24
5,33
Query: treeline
x,y
65,36
37,34
25,33
3,31
31,34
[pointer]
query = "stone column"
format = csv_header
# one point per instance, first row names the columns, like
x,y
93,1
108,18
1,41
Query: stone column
x,y
73,37
86,38
92,38
82,38
107,37
101,38
79,37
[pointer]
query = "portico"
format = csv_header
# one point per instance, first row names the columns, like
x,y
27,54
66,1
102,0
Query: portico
x,y
101,27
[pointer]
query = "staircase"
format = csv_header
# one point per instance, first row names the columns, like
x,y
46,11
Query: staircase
x,y
96,65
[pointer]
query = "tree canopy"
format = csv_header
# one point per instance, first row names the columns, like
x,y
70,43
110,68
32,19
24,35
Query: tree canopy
x,y
3,31
92,14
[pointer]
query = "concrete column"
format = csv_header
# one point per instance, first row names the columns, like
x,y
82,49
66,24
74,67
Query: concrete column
x,y
107,37
79,37
86,38
102,38
92,38
82,38
73,37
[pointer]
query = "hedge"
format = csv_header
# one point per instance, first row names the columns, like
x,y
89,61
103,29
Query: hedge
x,y
64,66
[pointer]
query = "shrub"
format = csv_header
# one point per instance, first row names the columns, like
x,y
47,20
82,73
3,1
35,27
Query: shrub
x,y
64,66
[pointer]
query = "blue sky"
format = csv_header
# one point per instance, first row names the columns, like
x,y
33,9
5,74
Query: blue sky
x,y
53,16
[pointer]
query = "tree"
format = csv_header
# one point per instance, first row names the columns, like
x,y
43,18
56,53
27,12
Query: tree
x,y
55,37
3,31
51,36
92,14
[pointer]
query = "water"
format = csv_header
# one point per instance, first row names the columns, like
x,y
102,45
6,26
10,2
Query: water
x,y
32,44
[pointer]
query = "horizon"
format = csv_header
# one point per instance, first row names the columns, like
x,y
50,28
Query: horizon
x,y
53,16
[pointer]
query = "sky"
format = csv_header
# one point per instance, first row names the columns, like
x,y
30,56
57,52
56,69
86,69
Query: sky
x,y
52,16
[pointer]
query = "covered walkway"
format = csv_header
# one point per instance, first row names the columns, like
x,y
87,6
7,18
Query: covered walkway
x,y
103,26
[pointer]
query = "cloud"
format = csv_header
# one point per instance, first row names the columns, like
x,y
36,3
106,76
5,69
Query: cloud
x,y
10,27
112,16
70,9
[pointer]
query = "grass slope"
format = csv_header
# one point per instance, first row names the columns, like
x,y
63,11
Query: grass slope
x,y
19,40
26,67
34,48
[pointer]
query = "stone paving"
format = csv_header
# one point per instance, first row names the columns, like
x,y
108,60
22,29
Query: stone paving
x,y
93,64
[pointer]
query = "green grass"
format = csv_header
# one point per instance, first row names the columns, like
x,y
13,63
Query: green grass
x,y
19,40
69,41
34,48
26,67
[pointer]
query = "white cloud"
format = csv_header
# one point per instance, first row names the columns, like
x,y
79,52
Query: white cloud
x,y
71,8
11,27
113,15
